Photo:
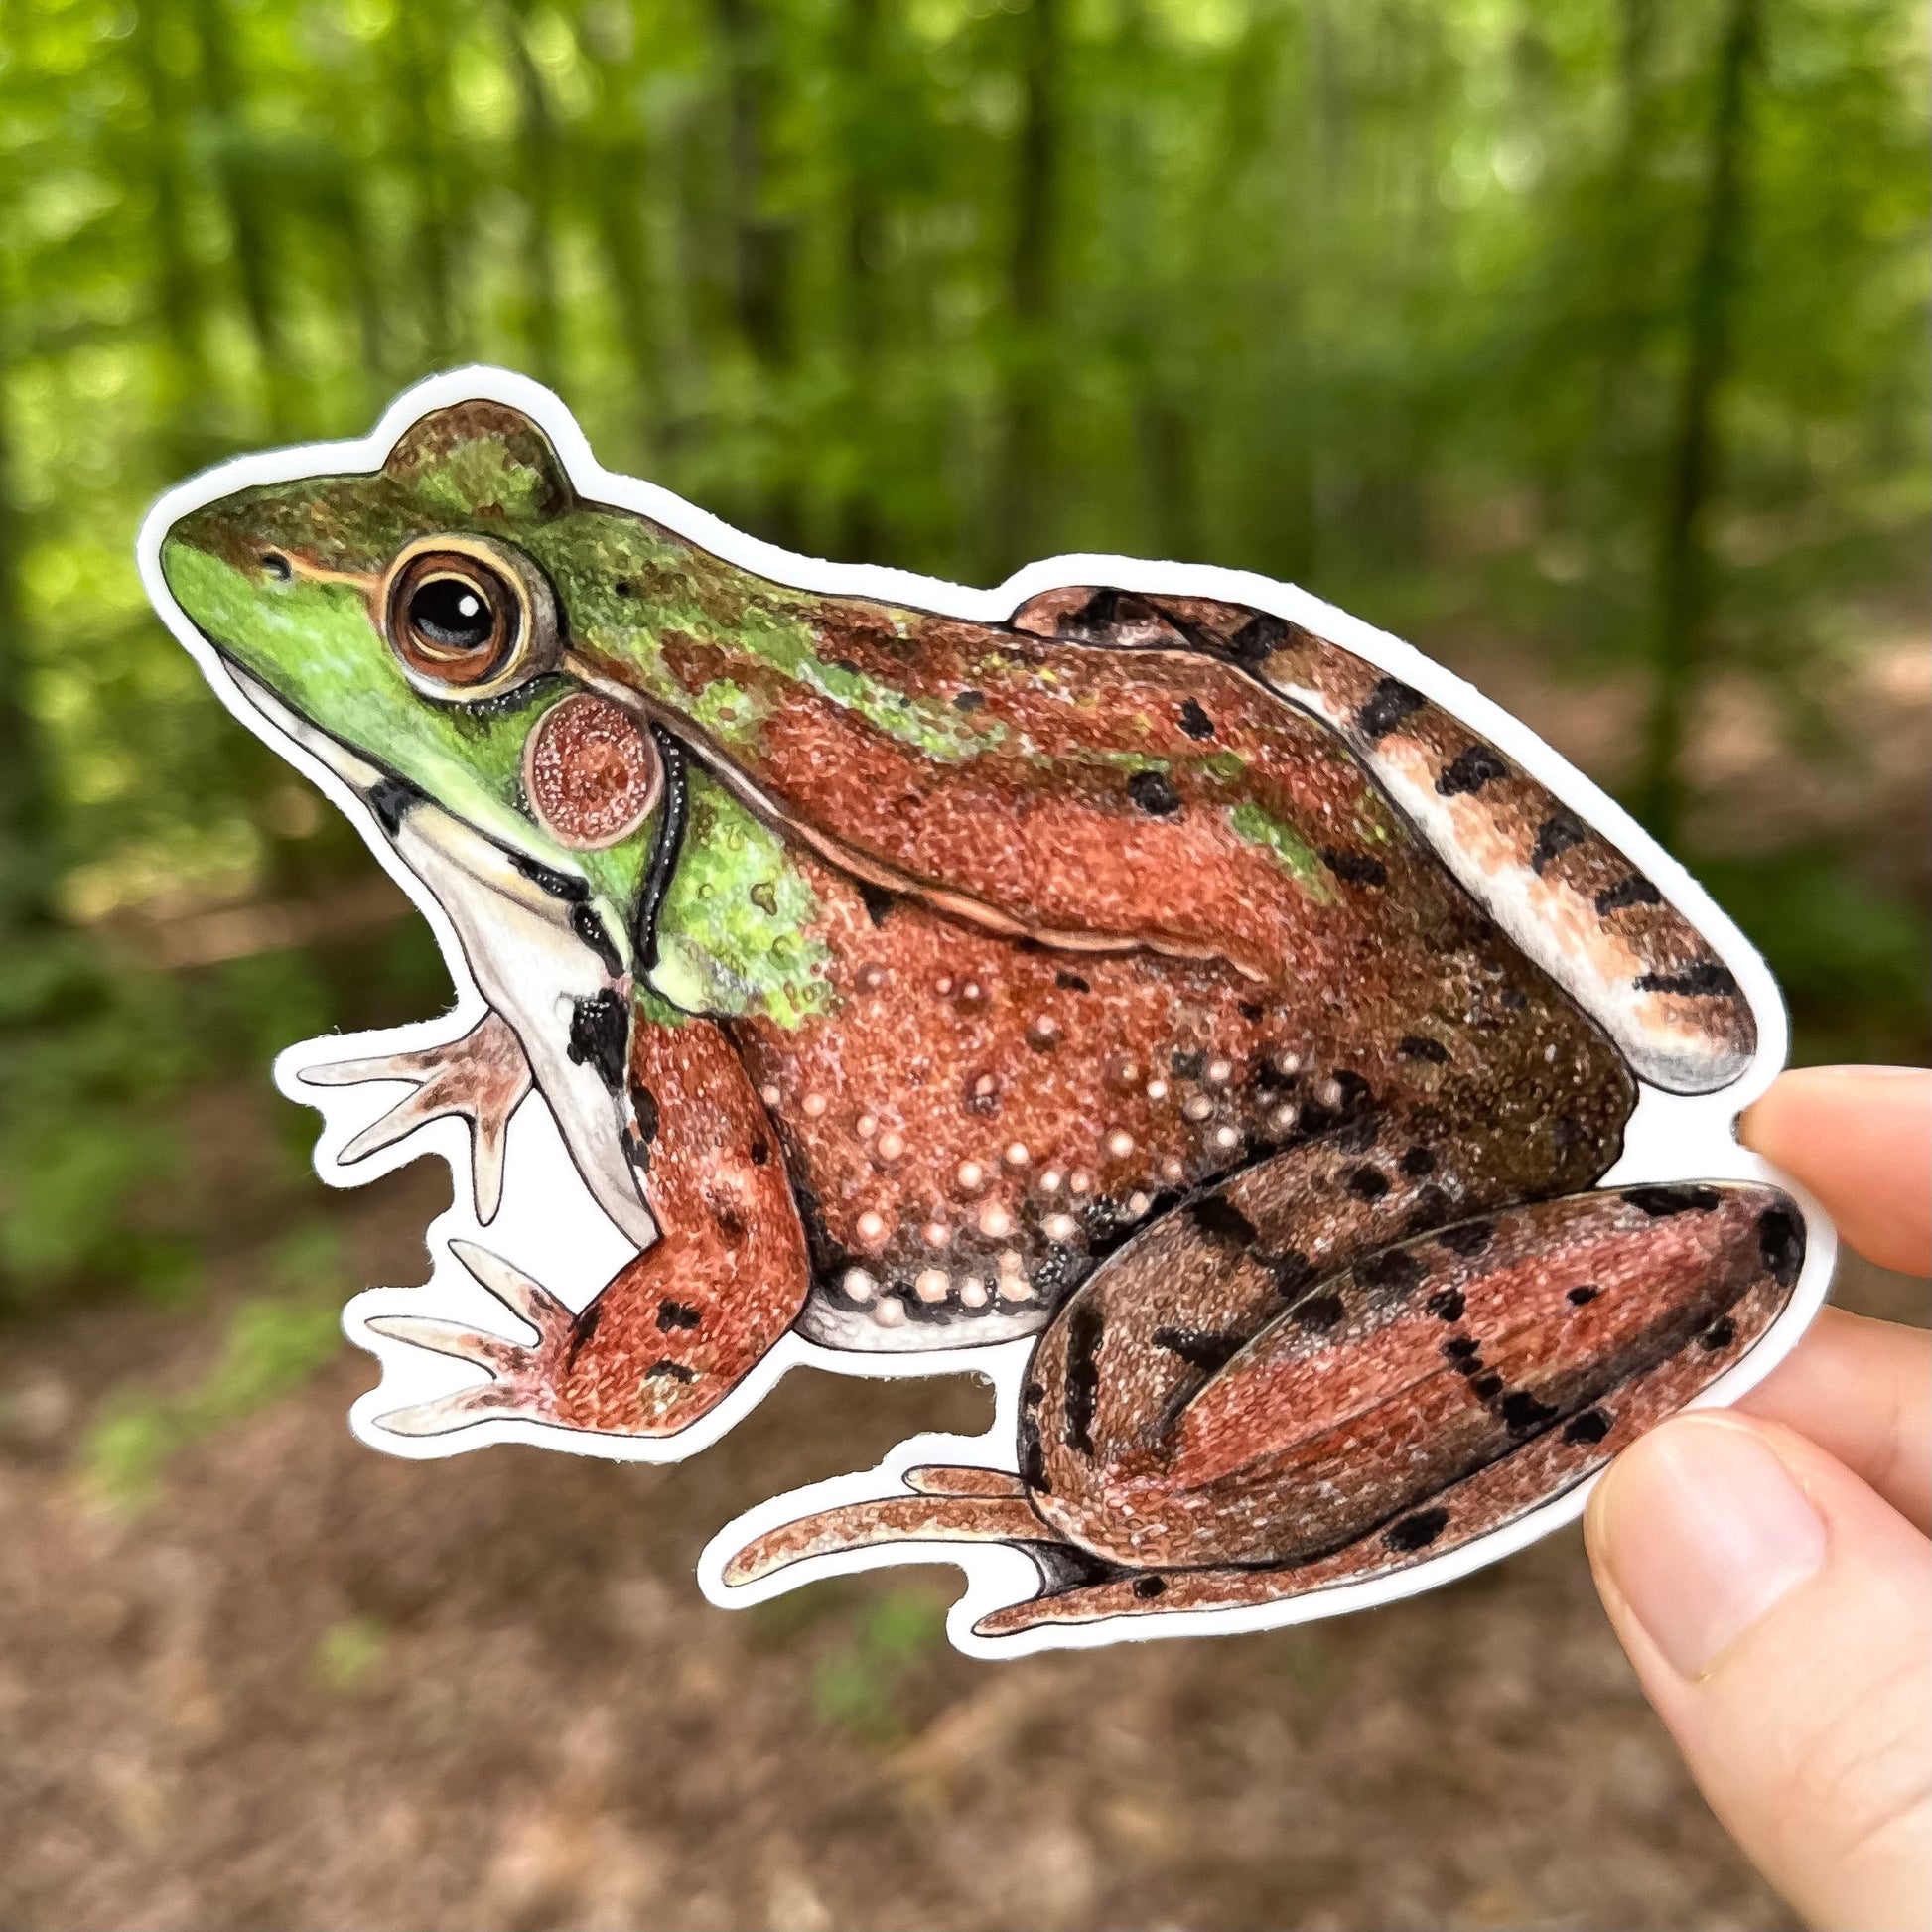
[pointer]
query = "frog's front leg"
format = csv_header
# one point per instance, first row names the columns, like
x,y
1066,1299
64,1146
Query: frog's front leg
x,y
482,1077
679,1326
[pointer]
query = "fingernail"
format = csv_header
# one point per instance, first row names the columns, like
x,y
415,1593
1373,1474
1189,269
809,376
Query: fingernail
x,y
1704,1531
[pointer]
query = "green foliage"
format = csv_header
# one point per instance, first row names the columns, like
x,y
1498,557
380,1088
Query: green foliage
x,y
274,1343
350,1654
1593,327
857,1685
91,1046
1850,953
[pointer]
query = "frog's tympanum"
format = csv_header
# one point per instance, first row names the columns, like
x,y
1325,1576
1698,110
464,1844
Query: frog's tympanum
x,y
1146,976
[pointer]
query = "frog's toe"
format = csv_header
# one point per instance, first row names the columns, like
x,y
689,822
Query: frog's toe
x,y
932,1515
481,1077
523,1377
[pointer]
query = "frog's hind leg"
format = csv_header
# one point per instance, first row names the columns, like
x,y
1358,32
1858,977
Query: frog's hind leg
x,y
482,1077
1564,892
1420,1398
1573,902
1544,1468
946,1505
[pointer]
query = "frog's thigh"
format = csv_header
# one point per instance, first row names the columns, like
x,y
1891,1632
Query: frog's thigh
x,y
1557,887
1199,1284
1417,1399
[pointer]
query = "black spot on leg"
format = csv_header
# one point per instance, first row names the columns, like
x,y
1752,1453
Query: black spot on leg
x,y
1636,890
599,1035
1416,1531
581,1331
1194,720
676,1314
1469,771
1523,1413
1462,1350
1388,704
1432,1209
1467,1238
1317,1313
1365,1183
1418,1161
968,700
1152,793
1220,1220
1393,1269
1200,1348
1145,1587
1485,1386
645,1110
1418,1047
1583,1293
1662,1202
1720,1335
1446,1305
1101,611
1071,982
664,1369
1257,640
1033,1456
1083,1385
1709,979
1355,868
1591,1426
1292,1269
760,1154
1554,836
1781,1241
877,901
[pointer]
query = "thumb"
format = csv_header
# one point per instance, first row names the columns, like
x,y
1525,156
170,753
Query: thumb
x,y
1779,1615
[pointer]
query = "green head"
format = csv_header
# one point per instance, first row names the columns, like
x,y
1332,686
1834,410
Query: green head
x,y
460,630
418,621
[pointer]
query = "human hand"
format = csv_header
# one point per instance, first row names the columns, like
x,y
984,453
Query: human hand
x,y
1767,1567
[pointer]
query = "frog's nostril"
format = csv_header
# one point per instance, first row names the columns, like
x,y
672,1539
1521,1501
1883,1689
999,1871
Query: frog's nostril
x,y
277,566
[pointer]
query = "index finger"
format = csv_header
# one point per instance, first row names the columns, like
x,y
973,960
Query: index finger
x,y
1861,1139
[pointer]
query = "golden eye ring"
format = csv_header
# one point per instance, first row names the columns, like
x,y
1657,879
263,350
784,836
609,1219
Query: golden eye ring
x,y
467,619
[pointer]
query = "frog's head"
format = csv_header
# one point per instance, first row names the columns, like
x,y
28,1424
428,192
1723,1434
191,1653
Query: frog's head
x,y
409,628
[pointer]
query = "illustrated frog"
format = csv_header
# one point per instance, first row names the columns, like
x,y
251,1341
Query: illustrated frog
x,y
1146,974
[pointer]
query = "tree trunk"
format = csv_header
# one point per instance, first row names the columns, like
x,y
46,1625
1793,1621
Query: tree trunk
x,y
1031,290
859,534
243,196
421,60
27,867
538,142
182,435
1681,573
762,246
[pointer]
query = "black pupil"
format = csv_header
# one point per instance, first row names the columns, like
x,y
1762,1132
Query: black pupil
x,y
452,613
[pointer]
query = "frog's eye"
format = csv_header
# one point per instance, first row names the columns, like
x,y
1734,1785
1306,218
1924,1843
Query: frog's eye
x,y
467,619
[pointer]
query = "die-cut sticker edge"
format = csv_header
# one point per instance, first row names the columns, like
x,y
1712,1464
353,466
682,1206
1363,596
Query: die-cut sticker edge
x,y
1670,1138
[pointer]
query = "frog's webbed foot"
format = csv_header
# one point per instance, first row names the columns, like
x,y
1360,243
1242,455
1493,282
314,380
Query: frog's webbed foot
x,y
945,1505
524,1378
483,1077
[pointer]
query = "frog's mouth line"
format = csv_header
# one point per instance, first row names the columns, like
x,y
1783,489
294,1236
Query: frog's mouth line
x,y
559,896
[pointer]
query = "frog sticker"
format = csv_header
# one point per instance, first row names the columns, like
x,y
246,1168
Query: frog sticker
x,y
1302,1097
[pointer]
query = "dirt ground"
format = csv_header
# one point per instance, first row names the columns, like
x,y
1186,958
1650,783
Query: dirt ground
x,y
309,1685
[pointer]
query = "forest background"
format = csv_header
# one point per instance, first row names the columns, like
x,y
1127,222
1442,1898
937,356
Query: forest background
x,y
1581,342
